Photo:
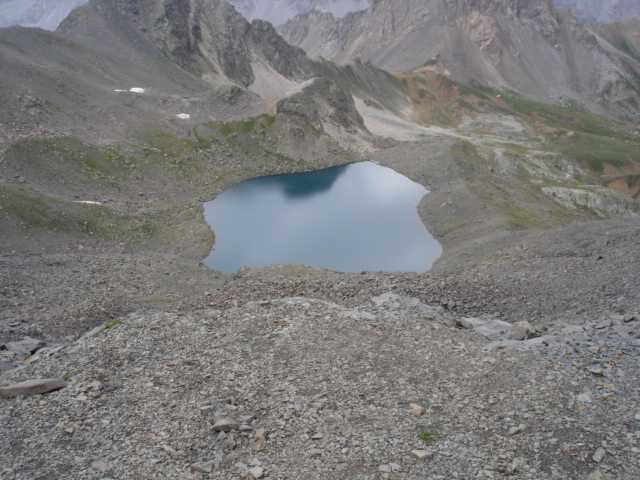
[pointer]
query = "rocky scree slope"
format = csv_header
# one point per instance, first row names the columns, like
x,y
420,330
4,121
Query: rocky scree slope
x,y
296,387
529,47
199,59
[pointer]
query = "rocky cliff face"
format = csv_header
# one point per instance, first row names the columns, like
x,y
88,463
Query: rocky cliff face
x,y
527,46
208,38
279,11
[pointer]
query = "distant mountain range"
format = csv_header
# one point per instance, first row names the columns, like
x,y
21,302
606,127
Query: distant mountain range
x,y
279,11
602,10
46,14
525,45
529,46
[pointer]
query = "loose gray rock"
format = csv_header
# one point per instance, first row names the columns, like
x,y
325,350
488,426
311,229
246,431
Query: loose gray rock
x,y
491,329
420,454
522,331
100,466
518,429
256,472
416,409
32,387
225,424
206,467
585,397
599,455
260,438
25,347
315,453
596,475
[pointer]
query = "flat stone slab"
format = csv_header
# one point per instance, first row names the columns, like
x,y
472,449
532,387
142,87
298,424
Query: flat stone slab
x,y
32,387
25,347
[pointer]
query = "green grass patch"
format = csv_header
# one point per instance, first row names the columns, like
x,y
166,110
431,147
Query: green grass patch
x,y
48,157
597,151
36,210
256,125
569,117
465,150
563,117
519,218
515,149
427,437
112,324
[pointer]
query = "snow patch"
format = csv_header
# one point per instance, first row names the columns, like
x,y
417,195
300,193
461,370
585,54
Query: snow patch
x,y
88,202
183,116
131,90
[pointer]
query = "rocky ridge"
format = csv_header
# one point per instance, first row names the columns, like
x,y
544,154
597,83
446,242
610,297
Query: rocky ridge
x,y
207,38
529,47
47,14
602,11
279,11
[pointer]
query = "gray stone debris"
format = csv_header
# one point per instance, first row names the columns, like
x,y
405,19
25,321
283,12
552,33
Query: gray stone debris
x,y
416,409
596,475
260,439
599,455
32,387
205,467
100,466
331,395
256,472
389,468
225,424
522,331
420,454
315,453
517,429
491,329
23,348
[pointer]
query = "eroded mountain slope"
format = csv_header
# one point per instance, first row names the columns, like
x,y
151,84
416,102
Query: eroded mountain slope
x,y
529,47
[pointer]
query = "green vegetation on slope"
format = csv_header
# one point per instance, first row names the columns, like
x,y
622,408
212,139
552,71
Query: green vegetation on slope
x,y
589,139
36,210
596,151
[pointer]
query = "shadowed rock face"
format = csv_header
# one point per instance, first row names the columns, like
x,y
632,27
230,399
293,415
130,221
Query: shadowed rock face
x,y
208,38
527,46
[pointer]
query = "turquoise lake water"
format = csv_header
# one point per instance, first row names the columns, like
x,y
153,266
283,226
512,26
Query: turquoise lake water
x,y
352,218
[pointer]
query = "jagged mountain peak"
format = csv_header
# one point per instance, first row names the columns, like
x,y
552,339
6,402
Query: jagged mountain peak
x,y
279,11
602,10
208,38
46,14
528,46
